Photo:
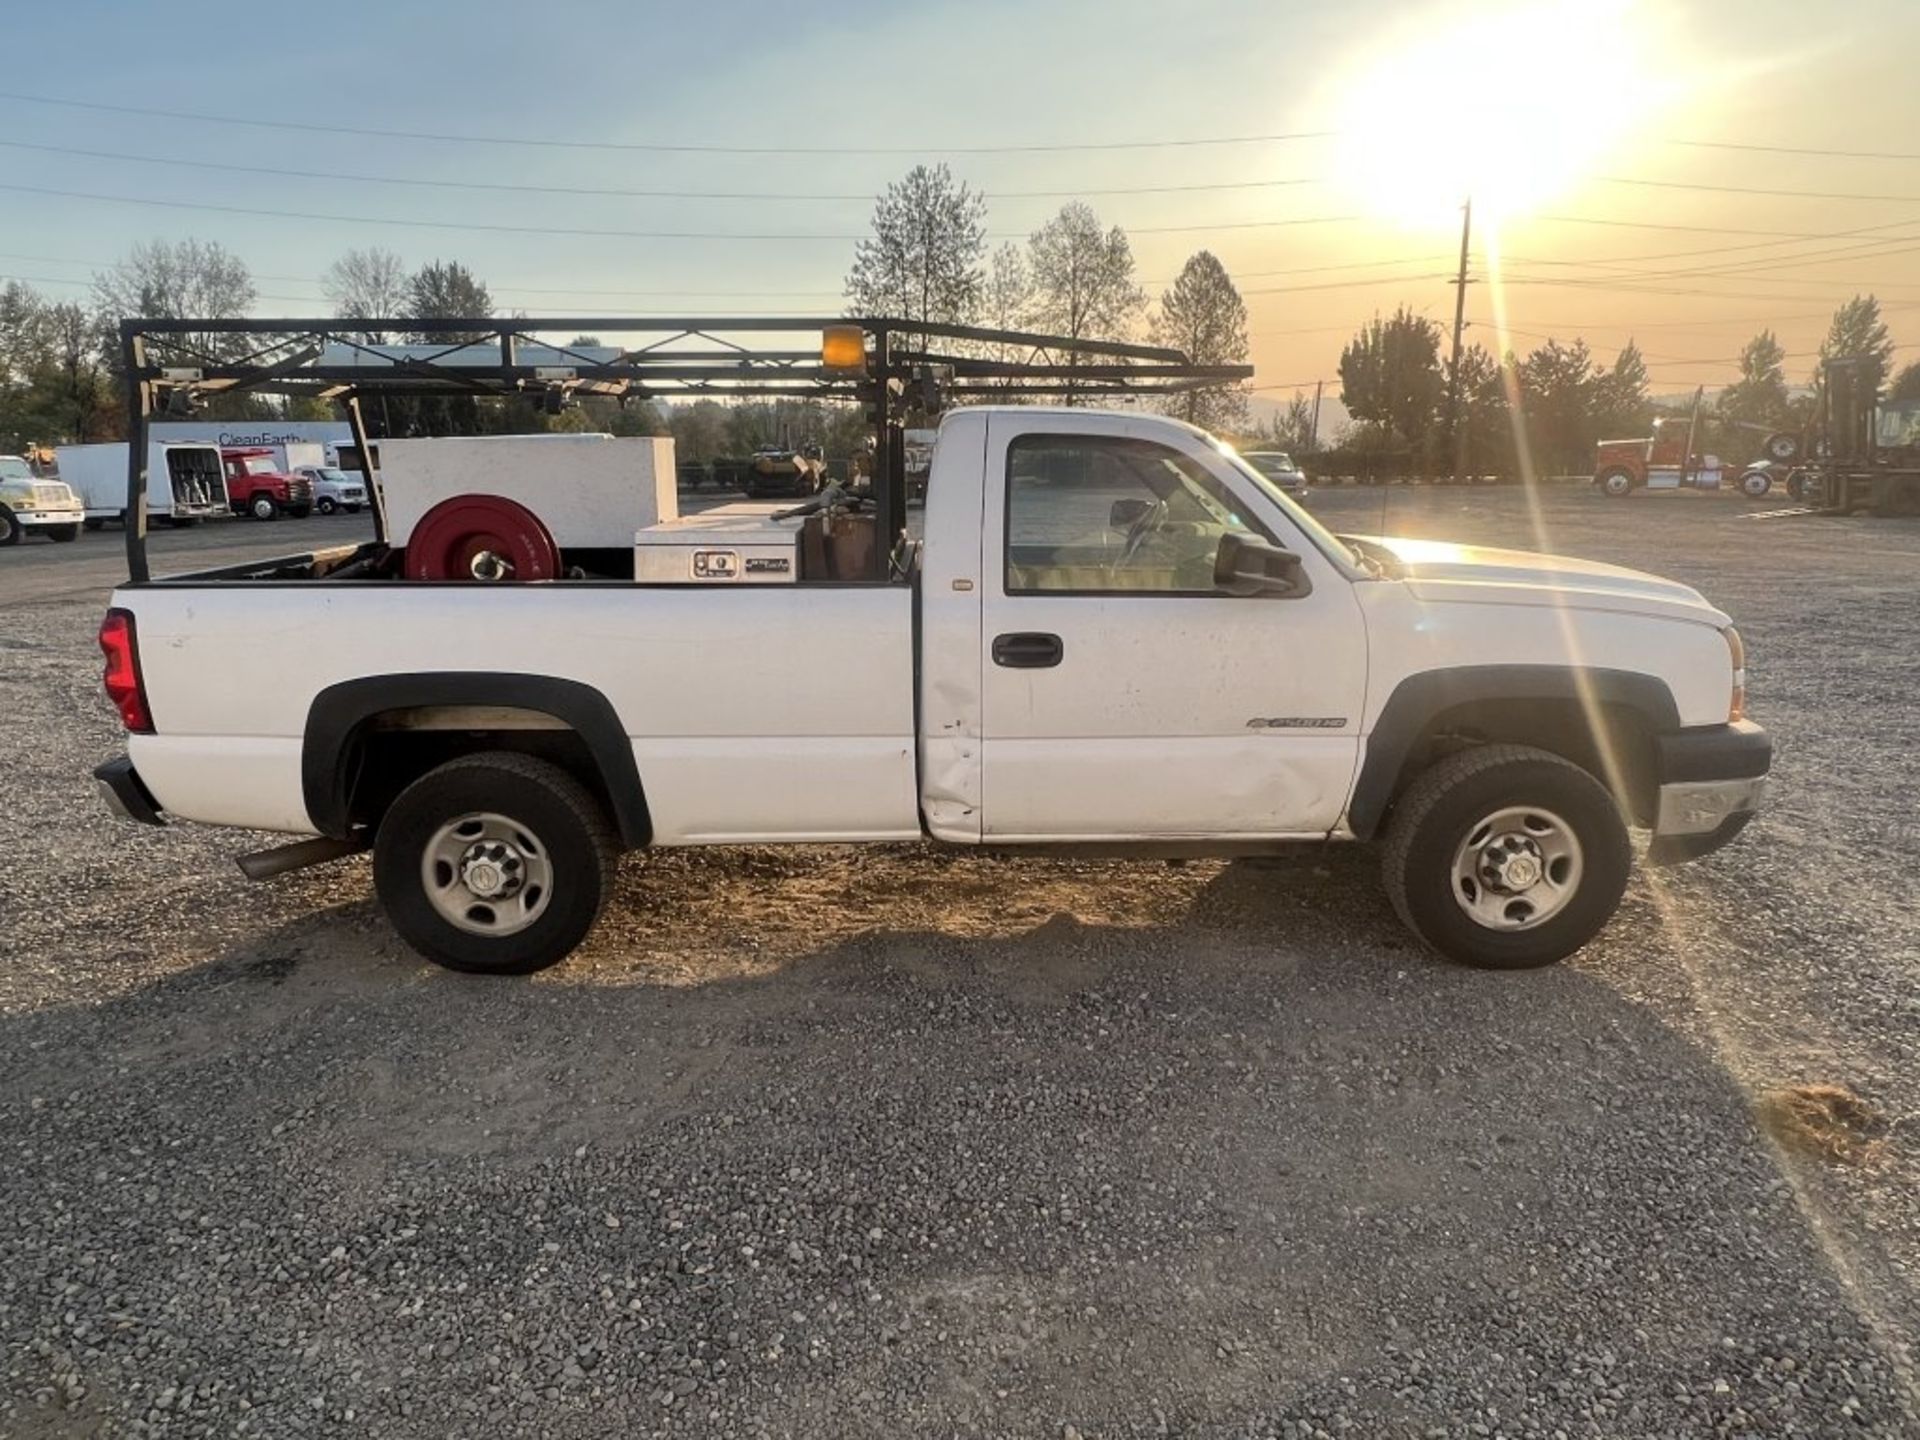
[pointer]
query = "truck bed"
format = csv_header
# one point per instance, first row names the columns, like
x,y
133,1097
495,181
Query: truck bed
x,y
746,707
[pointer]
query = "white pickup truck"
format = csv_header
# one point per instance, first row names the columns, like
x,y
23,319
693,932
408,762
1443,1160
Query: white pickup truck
x,y
1114,634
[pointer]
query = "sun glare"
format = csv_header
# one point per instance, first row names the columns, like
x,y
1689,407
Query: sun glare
x,y
1513,106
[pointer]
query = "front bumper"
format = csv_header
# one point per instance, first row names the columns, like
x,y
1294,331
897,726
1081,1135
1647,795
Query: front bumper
x,y
34,518
1711,783
126,794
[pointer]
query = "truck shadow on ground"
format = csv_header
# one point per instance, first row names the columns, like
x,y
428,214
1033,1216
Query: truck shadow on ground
x,y
1253,1160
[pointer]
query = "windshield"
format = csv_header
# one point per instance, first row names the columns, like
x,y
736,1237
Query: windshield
x,y
1899,426
336,477
1329,544
12,467
1271,461
256,465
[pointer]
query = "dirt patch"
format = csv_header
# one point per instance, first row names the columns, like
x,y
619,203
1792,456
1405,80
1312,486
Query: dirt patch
x,y
1829,1121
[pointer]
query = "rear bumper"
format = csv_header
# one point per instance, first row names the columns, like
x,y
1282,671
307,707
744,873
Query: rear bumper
x,y
1712,781
126,794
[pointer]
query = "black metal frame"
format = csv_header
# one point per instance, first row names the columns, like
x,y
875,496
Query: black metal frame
x,y
910,365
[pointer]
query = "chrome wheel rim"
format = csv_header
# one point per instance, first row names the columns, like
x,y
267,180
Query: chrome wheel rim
x,y
1516,868
486,874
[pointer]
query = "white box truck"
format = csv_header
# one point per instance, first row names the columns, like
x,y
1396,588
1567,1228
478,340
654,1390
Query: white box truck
x,y
184,482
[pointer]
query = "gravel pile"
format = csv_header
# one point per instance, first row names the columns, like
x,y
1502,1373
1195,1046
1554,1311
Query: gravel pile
x,y
892,1142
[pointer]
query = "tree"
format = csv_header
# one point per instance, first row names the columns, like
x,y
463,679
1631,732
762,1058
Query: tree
x,y
923,260
1292,428
1759,396
1906,385
368,285
1082,277
1619,400
445,290
74,376
1558,388
1857,329
1390,377
180,280
1486,445
1202,314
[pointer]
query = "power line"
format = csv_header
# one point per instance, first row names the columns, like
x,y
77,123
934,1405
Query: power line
x,y
610,234
1798,150
1753,189
419,182
661,148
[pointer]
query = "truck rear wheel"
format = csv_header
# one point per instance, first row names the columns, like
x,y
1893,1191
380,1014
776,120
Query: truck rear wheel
x,y
496,863
1506,857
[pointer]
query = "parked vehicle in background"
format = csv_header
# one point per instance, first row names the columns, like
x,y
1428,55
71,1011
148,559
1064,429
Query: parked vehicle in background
x,y
257,486
1278,467
30,505
185,482
1670,458
1664,460
333,488
776,470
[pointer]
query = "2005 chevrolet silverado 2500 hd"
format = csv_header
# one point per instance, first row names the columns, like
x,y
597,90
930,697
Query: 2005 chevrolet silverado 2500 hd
x,y
1114,633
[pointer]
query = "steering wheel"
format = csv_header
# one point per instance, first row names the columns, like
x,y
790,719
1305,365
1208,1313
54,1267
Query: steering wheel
x,y
1138,531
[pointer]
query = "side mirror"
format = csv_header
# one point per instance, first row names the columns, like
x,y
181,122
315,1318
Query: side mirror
x,y
1248,565
1128,513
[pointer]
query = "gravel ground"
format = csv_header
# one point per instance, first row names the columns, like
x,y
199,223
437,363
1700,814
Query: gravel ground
x,y
907,1142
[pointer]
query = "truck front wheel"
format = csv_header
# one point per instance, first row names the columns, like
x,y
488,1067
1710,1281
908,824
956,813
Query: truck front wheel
x,y
1506,857
10,528
1615,483
262,507
496,863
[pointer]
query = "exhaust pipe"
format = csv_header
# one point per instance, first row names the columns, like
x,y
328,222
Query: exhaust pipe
x,y
265,864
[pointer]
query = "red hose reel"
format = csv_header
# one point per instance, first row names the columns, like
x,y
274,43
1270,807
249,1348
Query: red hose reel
x,y
481,537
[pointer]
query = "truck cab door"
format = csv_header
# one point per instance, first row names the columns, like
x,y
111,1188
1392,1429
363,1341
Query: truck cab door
x,y
1125,693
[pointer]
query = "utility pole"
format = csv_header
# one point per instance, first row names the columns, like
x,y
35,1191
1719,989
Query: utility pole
x,y
1313,436
1454,427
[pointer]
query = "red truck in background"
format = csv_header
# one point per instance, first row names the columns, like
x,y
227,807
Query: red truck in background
x,y
257,486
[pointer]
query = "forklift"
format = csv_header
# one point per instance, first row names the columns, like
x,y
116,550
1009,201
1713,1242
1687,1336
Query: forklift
x,y
1865,451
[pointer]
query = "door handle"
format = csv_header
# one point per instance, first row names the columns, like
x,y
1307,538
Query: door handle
x,y
1027,650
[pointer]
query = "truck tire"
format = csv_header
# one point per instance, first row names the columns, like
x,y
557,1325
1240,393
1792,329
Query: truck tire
x,y
327,504
1755,484
1616,483
93,523
494,863
63,533
1505,857
1782,445
262,507
10,528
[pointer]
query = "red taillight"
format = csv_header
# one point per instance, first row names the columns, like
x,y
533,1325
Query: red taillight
x,y
123,672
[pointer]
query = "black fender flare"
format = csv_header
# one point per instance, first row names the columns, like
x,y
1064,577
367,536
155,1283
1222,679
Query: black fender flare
x,y
340,713
1419,699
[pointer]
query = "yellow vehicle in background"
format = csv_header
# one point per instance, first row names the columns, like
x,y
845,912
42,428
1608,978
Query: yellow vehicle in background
x,y
29,504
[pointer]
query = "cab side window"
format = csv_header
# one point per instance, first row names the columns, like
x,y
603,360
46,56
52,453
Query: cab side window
x,y
1095,515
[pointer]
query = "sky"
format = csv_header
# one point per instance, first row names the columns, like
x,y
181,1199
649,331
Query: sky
x,y
1319,147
